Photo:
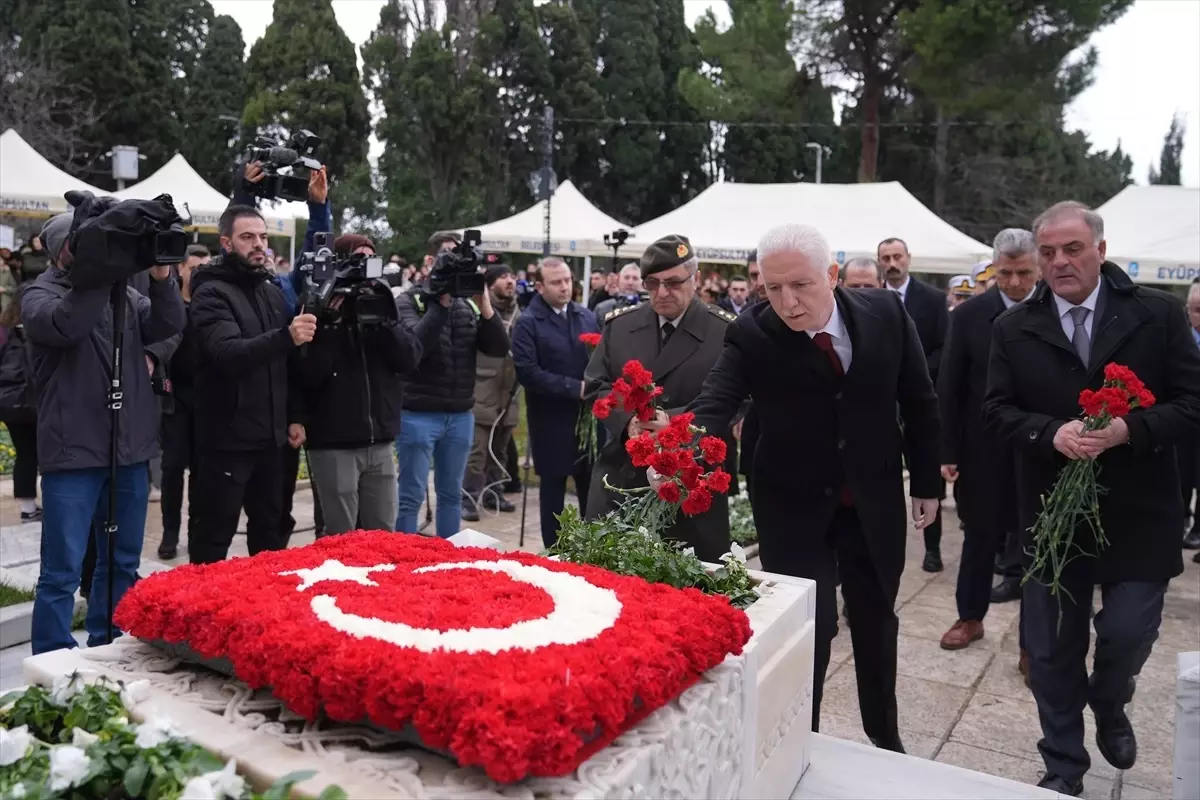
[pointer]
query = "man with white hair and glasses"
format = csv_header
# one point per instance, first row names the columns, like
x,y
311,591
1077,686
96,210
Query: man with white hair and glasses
x,y
827,368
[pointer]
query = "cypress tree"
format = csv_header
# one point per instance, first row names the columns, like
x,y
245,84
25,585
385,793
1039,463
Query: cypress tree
x,y
215,98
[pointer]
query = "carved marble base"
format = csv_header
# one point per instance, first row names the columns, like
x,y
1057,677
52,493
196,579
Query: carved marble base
x,y
691,748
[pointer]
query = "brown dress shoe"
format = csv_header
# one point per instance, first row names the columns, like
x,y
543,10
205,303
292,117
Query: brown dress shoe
x,y
1023,667
961,634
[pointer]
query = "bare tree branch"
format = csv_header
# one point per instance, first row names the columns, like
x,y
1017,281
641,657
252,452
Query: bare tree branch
x,y
49,115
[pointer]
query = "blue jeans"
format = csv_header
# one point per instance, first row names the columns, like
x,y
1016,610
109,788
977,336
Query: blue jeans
x,y
446,440
75,502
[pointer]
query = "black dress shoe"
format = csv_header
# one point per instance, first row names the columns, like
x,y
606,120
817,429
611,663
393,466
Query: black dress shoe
x,y
1061,785
1191,541
1007,590
167,552
892,744
469,512
932,562
1196,558
494,502
1114,737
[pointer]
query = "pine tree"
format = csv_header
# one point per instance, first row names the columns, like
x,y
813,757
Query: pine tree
x,y
576,94
1169,170
302,74
683,143
215,99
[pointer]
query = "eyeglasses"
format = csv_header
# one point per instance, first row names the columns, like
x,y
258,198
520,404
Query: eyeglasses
x,y
672,284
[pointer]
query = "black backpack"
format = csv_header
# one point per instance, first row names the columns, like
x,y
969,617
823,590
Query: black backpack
x,y
18,402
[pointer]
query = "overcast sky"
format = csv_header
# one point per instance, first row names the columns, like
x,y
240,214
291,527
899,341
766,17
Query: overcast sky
x,y
1149,69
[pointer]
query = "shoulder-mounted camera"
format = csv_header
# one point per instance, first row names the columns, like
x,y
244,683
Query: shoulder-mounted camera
x,y
286,168
347,289
456,271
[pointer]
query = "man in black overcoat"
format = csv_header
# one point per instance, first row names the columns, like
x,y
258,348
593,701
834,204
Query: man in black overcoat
x,y
1086,315
977,460
930,313
827,369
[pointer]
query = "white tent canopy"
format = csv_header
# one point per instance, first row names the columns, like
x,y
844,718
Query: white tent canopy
x,y
203,202
725,221
1154,232
577,227
29,184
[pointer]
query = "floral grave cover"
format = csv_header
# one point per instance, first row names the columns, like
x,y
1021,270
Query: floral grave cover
x,y
509,661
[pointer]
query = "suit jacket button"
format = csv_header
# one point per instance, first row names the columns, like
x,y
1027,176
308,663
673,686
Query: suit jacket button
x,y
1033,436
841,444
828,492
837,396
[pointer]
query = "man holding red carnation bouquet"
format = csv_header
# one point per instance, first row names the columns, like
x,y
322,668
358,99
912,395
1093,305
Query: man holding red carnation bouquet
x,y
827,368
669,344
1098,492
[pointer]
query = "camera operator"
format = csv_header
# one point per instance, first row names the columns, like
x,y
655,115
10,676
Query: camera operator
x,y
70,332
243,418
629,292
351,379
438,423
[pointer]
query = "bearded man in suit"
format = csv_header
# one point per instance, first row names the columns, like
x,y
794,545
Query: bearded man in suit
x,y
827,369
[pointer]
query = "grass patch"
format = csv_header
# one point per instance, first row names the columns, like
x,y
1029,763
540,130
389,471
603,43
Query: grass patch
x,y
11,595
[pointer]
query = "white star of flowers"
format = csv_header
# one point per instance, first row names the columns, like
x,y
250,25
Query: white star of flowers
x,y
334,570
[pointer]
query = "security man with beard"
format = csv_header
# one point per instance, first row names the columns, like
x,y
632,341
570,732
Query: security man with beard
x,y
243,344
678,338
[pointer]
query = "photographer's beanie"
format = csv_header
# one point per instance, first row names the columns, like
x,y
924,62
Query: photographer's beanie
x,y
346,244
54,235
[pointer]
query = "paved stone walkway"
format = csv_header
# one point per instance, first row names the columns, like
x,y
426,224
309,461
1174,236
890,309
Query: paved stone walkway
x,y
967,708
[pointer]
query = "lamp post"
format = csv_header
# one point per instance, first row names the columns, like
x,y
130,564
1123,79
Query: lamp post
x,y
822,151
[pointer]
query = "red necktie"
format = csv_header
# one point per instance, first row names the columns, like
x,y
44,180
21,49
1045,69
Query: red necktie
x,y
824,341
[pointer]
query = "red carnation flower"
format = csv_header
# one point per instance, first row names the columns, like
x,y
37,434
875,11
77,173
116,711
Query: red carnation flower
x,y
690,476
698,501
718,481
713,449
1116,403
645,413
686,457
603,407
637,374
1118,373
669,438
683,422
665,462
1091,402
621,389
640,449
669,492
1144,398
590,339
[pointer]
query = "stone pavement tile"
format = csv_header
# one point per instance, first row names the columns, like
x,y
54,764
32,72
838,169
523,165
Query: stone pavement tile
x,y
912,580
925,707
840,649
842,727
1004,679
1010,725
924,622
938,593
1131,791
1015,768
925,659
1155,767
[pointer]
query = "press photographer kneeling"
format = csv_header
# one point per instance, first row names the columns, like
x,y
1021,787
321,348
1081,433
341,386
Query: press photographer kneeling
x,y
81,320
350,376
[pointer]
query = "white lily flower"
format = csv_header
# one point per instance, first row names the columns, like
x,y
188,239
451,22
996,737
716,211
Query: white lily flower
x,y
198,789
17,792
134,693
154,732
14,744
227,783
67,687
68,767
737,552
689,551
81,738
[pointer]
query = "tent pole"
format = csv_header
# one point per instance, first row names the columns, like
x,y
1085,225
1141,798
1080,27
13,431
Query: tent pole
x,y
587,278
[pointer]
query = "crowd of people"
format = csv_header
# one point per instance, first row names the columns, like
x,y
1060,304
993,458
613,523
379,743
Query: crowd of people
x,y
837,388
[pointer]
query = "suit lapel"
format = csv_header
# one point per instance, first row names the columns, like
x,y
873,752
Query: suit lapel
x,y
998,306
644,338
857,317
1117,317
685,341
1044,323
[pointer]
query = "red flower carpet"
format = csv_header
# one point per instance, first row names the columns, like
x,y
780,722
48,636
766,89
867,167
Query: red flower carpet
x,y
509,661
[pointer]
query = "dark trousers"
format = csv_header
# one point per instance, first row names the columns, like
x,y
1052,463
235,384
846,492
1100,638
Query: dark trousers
x,y
291,472
552,497
870,602
1126,628
25,465
227,482
974,588
179,456
512,466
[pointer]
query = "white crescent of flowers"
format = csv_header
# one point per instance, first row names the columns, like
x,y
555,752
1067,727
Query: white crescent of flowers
x,y
581,611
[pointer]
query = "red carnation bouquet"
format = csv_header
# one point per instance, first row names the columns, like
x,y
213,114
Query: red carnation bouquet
x,y
585,426
1075,498
688,460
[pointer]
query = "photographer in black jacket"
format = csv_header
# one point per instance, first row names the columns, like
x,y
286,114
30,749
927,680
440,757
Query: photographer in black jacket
x,y
351,380
243,344
438,424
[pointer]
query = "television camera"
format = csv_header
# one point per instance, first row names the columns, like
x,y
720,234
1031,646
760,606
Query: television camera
x,y
347,289
113,240
456,271
286,167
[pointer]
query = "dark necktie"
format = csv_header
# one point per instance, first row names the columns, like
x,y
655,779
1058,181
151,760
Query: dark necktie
x,y
824,341
668,329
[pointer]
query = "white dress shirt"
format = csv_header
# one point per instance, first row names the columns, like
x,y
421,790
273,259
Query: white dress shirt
x,y
902,289
1009,302
836,328
1064,313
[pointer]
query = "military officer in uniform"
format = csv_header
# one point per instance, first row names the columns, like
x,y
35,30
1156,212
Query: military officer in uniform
x,y
678,338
